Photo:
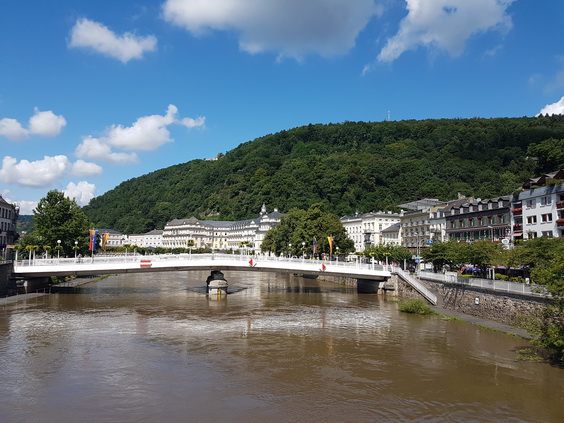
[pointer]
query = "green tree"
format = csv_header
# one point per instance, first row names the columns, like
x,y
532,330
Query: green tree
x,y
389,253
57,218
549,154
547,326
481,254
442,254
301,227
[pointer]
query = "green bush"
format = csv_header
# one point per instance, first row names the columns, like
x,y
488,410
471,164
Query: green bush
x,y
416,306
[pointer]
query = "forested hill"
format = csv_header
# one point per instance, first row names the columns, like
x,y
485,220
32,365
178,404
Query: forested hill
x,y
351,166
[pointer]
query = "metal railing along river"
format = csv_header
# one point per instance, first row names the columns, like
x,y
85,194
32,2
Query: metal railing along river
x,y
493,284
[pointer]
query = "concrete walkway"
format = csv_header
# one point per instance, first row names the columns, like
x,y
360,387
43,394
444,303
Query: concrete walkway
x,y
501,327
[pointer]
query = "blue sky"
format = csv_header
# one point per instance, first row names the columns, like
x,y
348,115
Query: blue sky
x,y
93,93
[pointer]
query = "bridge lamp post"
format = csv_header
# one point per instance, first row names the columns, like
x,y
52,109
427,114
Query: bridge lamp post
x,y
303,251
58,249
337,248
387,255
75,249
289,250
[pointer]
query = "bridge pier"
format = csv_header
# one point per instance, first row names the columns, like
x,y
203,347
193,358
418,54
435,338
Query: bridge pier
x,y
217,285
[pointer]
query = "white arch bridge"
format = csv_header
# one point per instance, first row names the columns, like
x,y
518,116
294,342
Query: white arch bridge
x,y
102,265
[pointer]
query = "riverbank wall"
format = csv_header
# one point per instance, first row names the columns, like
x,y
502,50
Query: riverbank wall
x,y
499,306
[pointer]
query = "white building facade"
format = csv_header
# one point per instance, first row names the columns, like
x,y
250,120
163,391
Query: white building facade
x,y
8,219
366,229
220,235
539,209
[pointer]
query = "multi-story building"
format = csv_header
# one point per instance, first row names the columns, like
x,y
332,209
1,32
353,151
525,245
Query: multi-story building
x,y
474,220
392,235
365,229
422,223
538,210
220,235
153,239
8,218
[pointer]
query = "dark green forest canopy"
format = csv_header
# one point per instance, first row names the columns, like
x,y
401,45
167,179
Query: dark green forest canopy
x,y
349,166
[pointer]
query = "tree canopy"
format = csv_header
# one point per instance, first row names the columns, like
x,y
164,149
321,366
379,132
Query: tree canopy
x,y
299,230
57,218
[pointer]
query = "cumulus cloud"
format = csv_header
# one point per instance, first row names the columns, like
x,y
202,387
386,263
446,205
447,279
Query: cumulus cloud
x,y
93,35
46,124
293,28
82,192
12,129
39,173
82,168
554,108
146,134
95,149
446,25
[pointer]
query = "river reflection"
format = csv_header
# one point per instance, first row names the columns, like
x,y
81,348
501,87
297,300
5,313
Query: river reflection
x,y
154,348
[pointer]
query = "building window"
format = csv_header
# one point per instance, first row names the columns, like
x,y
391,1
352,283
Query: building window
x,y
546,218
531,204
546,201
547,233
531,220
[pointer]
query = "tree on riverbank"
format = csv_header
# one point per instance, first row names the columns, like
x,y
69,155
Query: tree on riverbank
x,y
546,256
58,218
300,229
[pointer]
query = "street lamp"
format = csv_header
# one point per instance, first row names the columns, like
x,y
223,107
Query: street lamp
x,y
289,250
75,249
303,251
58,248
337,248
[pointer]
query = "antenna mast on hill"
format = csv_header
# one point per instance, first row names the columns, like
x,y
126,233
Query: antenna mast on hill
x,y
389,115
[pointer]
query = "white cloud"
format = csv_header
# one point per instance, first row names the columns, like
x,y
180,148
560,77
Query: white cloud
x,y
293,28
46,124
554,108
146,134
446,25
82,168
26,207
39,173
95,149
82,192
12,129
95,36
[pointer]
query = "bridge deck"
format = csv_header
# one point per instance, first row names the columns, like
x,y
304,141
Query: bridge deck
x,y
101,265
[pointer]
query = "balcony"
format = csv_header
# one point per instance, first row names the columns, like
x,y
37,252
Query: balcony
x,y
517,211
517,227
559,222
560,204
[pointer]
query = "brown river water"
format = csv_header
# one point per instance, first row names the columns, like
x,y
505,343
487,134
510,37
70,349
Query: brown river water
x,y
154,348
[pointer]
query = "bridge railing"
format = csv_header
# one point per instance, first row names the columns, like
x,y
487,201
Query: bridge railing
x,y
417,285
493,284
131,258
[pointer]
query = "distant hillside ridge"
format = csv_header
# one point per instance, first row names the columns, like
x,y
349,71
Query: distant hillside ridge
x,y
350,166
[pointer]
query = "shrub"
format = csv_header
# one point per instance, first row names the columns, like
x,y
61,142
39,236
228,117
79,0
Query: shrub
x,y
416,306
